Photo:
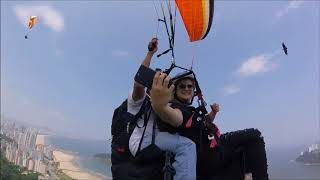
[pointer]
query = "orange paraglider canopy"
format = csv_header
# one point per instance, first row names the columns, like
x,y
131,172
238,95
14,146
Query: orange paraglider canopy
x,y
32,21
196,16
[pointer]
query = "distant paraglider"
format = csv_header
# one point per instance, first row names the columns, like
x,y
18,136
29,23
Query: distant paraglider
x,y
32,21
285,49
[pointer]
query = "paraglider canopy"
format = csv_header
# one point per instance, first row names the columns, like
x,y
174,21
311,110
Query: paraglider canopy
x,y
197,17
32,21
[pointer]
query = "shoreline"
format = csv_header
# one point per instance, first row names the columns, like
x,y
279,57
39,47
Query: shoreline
x,y
312,164
66,162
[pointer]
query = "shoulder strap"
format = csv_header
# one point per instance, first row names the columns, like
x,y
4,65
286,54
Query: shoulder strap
x,y
153,131
146,117
142,108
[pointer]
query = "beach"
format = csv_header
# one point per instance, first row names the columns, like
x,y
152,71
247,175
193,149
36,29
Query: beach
x,y
69,167
66,162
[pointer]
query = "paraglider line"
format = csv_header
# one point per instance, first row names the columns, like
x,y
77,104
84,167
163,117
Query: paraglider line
x,y
154,5
169,36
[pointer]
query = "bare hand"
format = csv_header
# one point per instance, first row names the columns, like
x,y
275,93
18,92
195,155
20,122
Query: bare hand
x,y
215,108
153,45
160,93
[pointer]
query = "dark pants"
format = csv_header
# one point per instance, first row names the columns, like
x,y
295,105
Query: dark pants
x,y
241,152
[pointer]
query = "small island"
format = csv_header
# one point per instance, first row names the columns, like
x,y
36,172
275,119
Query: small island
x,y
103,156
310,156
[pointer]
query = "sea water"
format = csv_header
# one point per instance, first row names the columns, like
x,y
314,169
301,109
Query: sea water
x,y
85,151
282,165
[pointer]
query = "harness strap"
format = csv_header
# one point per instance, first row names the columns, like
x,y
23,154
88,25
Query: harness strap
x,y
134,120
147,114
144,106
189,122
153,131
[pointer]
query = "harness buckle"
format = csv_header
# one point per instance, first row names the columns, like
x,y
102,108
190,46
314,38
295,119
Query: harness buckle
x,y
128,127
210,137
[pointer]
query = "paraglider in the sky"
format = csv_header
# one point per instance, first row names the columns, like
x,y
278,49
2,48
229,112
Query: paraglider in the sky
x,y
197,17
32,21
285,49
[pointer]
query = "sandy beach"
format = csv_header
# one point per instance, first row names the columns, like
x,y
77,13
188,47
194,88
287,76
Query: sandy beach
x,y
67,162
68,166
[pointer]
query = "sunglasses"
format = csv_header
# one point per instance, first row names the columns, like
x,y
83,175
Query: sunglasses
x,y
184,86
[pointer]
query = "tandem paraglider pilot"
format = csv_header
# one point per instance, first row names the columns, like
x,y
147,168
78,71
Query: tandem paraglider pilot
x,y
152,112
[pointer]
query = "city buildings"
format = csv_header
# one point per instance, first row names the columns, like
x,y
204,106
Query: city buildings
x,y
19,145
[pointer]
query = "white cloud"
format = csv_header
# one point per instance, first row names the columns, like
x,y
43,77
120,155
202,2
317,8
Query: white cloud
x,y
46,14
120,53
291,5
231,89
256,65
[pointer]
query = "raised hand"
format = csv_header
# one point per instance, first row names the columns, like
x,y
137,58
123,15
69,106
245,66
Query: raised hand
x,y
160,93
215,108
153,45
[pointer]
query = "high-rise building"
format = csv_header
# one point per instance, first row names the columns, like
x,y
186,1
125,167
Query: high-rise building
x,y
31,164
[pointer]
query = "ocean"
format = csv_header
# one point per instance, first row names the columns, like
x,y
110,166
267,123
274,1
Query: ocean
x,y
282,165
85,151
281,161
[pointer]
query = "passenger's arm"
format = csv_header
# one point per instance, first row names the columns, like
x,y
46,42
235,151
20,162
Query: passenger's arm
x,y
169,115
160,95
138,89
215,108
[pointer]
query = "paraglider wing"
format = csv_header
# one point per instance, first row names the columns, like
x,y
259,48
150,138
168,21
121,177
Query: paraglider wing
x,y
197,17
32,21
285,49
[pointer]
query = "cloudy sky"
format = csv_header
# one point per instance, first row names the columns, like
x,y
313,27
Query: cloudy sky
x,y
79,61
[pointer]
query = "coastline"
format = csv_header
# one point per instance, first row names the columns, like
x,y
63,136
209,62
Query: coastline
x,y
312,164
66,162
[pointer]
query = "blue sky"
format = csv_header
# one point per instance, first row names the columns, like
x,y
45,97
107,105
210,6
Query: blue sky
x,y
79,61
